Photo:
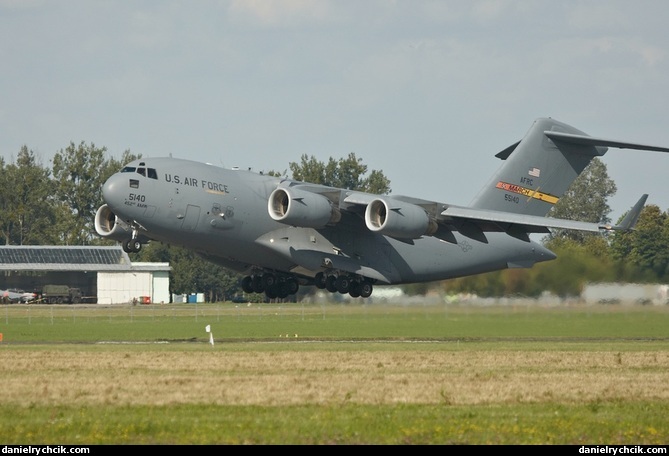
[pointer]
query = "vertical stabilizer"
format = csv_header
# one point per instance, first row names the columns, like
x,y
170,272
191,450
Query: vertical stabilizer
x,y
537,170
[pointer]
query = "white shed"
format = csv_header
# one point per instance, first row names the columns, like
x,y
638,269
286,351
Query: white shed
x,y
145,282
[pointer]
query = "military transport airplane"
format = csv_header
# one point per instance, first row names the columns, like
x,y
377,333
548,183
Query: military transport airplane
x,y
281,234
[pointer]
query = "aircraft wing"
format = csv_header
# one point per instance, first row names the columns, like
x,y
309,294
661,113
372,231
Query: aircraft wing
x,y
530,222
405,217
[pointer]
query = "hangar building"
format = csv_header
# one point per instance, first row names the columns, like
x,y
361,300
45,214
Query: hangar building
x,y
105,275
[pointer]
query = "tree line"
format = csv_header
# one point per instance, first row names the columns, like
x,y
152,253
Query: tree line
x,y
56,205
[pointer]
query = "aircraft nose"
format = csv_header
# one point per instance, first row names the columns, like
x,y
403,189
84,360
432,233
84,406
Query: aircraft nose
x,y
113,188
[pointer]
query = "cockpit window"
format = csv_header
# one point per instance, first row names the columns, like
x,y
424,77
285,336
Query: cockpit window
x,y
151,173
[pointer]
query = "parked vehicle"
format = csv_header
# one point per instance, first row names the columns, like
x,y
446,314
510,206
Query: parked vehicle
x,y
61,294
14,295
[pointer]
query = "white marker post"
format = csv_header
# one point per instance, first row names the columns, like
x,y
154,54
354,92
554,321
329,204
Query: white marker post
x,y
211,335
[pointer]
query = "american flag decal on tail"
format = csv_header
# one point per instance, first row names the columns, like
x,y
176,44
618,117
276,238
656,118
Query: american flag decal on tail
x,y
534,172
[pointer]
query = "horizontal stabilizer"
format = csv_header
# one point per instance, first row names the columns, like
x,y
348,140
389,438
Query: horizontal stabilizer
x,y
584,140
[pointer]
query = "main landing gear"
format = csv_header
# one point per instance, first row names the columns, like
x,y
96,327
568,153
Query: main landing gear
x,y
280,286
273,285
356,287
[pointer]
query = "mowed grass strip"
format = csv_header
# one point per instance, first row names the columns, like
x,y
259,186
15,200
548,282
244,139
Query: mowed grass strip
x,y
345,380
595,423
186,322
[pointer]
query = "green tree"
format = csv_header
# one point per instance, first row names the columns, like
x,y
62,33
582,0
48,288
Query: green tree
x,y
76,171
645,250
348,173
26,203
8,215
585,200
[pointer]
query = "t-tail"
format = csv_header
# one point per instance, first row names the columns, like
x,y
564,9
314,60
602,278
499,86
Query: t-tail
x,y
539,169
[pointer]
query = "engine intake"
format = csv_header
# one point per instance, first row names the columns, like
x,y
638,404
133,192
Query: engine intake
x,y
398,219
108,225
300,208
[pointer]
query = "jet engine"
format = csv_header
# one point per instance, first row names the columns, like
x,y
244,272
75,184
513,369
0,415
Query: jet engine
x,y
300,208
108,225
398,219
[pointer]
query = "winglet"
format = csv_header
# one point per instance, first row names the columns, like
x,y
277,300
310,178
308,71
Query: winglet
x,y
632,216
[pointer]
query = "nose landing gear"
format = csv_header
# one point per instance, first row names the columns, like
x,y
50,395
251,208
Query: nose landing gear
x,y
132,245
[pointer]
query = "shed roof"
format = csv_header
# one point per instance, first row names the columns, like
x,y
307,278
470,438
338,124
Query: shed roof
x,y
68,258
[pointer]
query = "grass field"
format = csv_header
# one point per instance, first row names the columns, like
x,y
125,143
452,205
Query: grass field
x,y
334,374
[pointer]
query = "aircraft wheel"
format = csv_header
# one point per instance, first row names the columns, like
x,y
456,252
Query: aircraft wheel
x,y
330,284
272,291
354,290
366,289
257,284
268,280
247,284
132,246
292,285
282,290
319,280
343,284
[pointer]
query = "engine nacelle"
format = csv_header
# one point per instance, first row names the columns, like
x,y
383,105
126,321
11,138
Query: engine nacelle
x,y
398,219
300,208
108,225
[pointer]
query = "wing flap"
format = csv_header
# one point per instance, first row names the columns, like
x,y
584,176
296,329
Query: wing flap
x,y
483,217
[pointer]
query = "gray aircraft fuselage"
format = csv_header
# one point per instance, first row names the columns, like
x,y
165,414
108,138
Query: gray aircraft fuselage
x,y
223,215
283,233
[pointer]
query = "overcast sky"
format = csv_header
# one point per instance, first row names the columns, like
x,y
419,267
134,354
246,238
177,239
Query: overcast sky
x,y
426,91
